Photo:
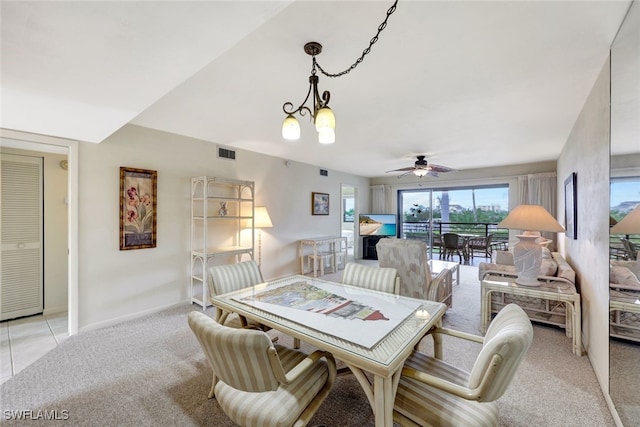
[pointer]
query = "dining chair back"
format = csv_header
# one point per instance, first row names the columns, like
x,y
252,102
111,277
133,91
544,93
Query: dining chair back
x,y
258,383
232,277
383,279
434,392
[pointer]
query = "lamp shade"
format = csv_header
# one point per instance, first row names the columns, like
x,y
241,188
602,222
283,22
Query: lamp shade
x,y
630,224
325,119
261,218
326,136
531,218
291,128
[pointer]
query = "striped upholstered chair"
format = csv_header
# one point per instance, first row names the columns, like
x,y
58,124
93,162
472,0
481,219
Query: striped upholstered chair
x,y
409,257
232,277
376,278
261,384
434,393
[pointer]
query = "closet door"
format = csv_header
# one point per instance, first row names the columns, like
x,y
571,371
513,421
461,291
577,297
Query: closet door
x,y
22,292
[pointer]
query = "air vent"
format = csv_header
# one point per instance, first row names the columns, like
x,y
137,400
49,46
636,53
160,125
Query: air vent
x,y
324,172
225,153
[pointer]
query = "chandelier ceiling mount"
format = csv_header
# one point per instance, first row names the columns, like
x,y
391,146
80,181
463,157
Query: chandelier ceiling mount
x,y
321,115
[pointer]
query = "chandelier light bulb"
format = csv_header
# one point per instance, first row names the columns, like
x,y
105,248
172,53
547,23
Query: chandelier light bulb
x,y
326,136
325,119
420,172
291,128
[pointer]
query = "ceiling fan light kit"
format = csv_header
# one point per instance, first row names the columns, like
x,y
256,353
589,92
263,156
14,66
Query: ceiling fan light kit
x,y
422,168
321,114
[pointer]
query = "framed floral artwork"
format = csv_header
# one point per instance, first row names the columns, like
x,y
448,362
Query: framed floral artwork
x,y
319,204
138,207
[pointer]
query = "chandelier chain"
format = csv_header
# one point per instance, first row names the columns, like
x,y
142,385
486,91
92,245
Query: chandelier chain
x,y
373,41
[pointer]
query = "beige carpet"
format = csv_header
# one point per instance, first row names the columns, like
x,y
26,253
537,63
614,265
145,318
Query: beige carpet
x,y
151,372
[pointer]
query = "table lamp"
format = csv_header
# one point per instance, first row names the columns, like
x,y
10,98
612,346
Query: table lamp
x,y
527,253
630,224
261,220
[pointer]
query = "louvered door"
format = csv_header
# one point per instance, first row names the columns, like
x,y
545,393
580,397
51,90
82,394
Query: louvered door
x,y
22,234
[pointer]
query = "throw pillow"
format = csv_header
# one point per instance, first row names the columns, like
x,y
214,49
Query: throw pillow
x,y
623,276
548,267
504,258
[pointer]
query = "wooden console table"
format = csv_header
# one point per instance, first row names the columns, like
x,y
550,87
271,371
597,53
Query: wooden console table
x,y
553,294
332,247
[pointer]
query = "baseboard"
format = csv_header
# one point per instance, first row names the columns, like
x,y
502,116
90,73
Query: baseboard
x,y
55,310
128,317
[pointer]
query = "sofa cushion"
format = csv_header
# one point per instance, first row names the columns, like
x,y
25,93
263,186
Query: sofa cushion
x,y
623,276
504,258
548,267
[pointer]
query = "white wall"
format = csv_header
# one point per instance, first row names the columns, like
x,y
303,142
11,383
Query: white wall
x,y
55,229
115,285
587,153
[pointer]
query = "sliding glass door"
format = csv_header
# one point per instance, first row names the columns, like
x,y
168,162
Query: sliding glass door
x,y
425,214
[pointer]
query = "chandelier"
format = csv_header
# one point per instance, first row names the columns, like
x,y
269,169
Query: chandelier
x,y
320,113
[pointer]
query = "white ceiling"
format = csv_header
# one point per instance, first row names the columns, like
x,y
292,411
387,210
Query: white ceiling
x,y
468,83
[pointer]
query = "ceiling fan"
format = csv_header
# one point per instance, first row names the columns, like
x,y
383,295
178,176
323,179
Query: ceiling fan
x,y
422,168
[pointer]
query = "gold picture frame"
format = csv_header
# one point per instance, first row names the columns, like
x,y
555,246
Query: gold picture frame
x,y
138,208
319,204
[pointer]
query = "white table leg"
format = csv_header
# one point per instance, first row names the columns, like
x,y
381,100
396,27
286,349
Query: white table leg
x,y
383,396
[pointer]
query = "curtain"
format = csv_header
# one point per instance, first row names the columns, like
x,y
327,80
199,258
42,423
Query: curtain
x,y
539,189
381,199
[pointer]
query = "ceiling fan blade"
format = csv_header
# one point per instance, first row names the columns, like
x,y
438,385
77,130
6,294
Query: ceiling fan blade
x,y
433,173
403,169
404,174
438,168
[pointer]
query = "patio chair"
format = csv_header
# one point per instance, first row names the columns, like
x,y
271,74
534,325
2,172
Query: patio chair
x,y
480,244
432,392
452,243
257,383
630,249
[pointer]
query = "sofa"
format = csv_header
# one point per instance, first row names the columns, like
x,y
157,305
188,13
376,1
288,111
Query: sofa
x,y
624,291
554,271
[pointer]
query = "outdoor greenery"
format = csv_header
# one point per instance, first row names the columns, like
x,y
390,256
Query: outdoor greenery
x,y
421,214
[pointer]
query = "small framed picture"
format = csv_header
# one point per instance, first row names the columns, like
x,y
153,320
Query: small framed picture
x,y
138,206
319,204
571,206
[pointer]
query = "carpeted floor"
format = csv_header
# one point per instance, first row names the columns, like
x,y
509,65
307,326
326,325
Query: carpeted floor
x,y
151,372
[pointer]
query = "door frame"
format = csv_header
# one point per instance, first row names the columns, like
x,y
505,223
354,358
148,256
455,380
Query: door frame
x,y
27,141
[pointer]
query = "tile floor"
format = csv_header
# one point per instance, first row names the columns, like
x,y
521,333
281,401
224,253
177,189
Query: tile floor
x,y
25,340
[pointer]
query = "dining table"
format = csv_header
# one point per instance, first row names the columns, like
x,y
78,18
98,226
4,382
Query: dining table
x,y
372,332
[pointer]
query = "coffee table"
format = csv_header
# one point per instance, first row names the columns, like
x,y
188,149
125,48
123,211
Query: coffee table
x,y
437,266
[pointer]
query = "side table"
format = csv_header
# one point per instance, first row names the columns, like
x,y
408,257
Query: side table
x,y
549,292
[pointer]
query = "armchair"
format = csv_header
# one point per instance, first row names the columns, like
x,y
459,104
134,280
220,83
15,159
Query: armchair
x,y
432,392
262,384
409,258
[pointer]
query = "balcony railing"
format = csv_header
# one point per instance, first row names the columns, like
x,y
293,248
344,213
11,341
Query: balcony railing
x,y
420,230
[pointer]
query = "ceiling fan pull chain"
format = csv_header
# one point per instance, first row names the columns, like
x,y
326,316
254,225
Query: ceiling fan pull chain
x,y
364,52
